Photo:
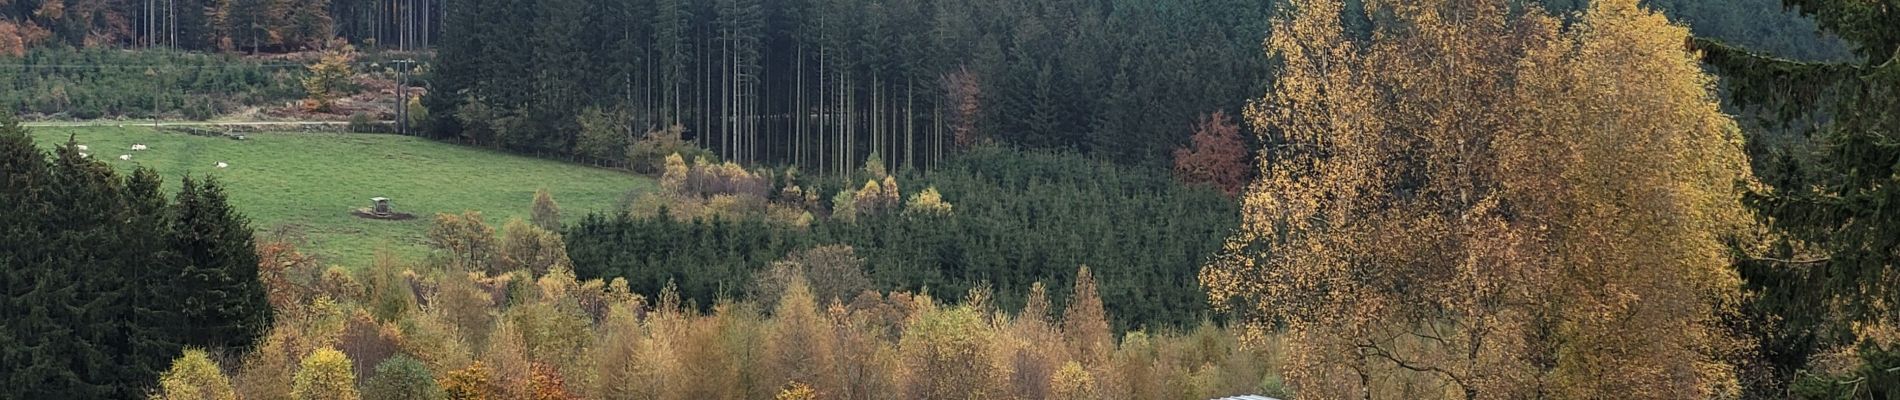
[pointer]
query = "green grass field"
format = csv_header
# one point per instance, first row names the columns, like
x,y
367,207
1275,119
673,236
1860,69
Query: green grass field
x,y
311,181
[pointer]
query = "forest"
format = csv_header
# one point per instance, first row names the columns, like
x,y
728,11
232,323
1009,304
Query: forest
x,y
941,199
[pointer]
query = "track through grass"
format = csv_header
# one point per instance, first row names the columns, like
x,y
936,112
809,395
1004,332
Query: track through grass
x,y
310,182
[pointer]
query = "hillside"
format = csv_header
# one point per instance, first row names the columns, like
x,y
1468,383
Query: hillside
x,y
310,182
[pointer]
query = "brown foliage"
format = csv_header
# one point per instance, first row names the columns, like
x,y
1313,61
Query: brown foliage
x,y
965,105
1218,156
547,213
367,343
1085,323
834,273
472,383
279,266
546,383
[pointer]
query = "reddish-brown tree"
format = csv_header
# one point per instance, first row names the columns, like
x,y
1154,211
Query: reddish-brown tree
x,y
1218,156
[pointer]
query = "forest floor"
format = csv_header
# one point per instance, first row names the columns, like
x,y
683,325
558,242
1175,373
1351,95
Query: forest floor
x,y
308,183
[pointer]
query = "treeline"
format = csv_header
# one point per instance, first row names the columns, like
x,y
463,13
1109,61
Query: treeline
x,y
822,84
1001,218
103,279
441,330
217,25
95,83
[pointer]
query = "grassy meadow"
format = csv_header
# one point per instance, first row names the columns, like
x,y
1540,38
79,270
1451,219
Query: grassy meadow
x,y
309,182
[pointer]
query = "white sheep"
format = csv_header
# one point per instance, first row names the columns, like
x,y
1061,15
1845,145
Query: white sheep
x,y
139,147
84,148
84,155
125,157
222,165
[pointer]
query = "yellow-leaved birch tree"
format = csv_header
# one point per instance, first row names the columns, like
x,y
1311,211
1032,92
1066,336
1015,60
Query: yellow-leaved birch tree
x,y
1478,201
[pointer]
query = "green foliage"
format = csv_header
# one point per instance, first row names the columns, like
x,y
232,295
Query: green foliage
x,y
1020,218
824,84
101,83
1831,264
225,304
335,173
402,378
104,280
1877,377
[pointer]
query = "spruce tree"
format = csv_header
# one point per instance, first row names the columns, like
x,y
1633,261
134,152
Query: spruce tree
x,y
224,303
1836,267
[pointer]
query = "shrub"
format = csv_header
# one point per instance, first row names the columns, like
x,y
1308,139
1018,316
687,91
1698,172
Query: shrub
x,y
648,154
361,123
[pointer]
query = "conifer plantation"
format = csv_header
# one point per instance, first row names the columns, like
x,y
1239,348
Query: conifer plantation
x,y
949,199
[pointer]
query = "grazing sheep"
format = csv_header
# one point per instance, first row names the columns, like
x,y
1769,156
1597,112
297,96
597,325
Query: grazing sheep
x,y
139,147
221,164
84,148
125,157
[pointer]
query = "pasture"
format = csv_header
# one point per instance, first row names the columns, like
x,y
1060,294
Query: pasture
x,y
310,182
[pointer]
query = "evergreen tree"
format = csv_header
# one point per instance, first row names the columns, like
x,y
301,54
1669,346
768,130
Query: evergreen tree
x,y
224,303
1836,268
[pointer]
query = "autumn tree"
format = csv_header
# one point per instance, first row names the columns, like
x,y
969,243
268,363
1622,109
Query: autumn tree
x,y
325,374
947,355
798,347
402,377
1085,323
546,214
1218,156
831,273
195,377
327,77
1487,222
530,247
468,243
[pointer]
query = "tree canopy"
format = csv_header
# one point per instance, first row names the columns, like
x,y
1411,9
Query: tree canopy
x,y
1441,226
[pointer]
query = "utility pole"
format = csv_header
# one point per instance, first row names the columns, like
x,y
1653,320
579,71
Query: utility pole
x,y
402,95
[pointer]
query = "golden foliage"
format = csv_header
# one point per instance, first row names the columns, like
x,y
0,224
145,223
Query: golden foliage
x,y
797,391
472,383
327,77
927,202
1483,202
509,337
1085,323
1072,383
194,377
324,375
